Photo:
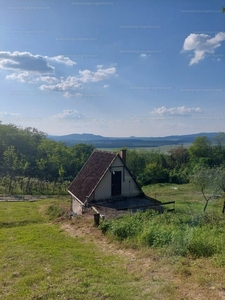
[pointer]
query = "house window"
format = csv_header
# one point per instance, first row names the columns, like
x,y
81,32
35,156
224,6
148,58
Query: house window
x,y
116,183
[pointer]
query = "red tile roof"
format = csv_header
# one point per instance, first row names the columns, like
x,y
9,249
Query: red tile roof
x,y
91,174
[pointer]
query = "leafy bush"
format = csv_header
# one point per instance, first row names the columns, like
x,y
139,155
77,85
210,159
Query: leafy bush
x,y
54,211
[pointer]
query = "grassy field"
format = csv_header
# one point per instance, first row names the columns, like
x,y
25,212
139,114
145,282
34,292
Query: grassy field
x,y
46,256
188,199
40,261
162,149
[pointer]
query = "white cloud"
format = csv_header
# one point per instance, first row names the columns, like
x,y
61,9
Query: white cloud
x,y
31,68
62,59
79,95
143,55
71,83
202,44
176,111
31,77
24,61
7,114
48,79
69,114
100,74
22,77
67,95
106,86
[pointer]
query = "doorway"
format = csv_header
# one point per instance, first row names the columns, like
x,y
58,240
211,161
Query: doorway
x,y
116,183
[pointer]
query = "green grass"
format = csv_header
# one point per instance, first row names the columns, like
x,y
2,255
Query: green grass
x,y
40,261
178,255
186,232
188,199
172,234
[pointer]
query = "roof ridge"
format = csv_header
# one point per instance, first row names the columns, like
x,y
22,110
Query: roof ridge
x,y
104,151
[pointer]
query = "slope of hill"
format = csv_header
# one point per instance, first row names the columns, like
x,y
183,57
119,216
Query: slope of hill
x,y
115,142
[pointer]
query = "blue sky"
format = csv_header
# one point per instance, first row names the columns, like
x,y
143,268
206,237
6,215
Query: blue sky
x,y
114,68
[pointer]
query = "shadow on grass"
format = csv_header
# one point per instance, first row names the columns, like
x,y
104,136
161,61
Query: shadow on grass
x,y
18,223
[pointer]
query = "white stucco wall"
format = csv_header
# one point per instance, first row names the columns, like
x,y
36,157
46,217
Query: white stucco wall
x,y
128,186
76,206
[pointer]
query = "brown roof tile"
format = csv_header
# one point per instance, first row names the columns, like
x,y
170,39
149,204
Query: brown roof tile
x,y
91,174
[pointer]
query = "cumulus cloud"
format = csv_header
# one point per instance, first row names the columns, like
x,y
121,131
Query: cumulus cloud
x,y
73,82
67,95
100,74
106,86
69,114
30,77
62,59
25,61
22,77
176,111
29,68
70,83
143,55
48,79
202,44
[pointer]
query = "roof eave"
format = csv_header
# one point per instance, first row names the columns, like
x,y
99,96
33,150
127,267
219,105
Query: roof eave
x,y
75,197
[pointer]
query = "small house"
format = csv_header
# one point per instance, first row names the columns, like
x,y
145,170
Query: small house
x,y
106,184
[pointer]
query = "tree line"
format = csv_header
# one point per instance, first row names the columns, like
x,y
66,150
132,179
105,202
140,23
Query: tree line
x,y
202,164
30,161
180,163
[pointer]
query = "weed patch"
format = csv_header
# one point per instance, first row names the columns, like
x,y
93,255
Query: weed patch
x,y
175,234
55,211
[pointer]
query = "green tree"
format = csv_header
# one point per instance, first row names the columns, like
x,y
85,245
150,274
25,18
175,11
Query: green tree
x,y
11,165
153,173
218,150
178,156
77,155
206,180
201,151
136,161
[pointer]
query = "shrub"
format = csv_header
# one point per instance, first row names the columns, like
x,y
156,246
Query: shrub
x,y
54,211
197,235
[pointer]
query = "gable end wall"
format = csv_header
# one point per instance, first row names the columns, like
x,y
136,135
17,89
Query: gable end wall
x,y
128,185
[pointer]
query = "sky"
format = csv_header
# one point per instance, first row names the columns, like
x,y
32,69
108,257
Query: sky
x,y
115,68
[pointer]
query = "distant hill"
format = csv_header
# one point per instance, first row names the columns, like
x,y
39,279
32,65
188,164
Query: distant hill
x,y
130,142
77,137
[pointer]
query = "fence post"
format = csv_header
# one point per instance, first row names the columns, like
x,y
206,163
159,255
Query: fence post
x,y
96,219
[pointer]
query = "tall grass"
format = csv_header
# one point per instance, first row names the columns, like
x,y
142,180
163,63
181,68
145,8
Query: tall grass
x,y
187,232
172,233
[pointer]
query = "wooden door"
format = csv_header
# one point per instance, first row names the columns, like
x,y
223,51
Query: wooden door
x,y
116,183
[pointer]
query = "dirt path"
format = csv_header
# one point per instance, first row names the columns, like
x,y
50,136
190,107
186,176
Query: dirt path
x,y
165,278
